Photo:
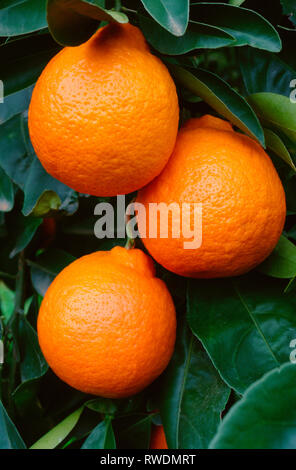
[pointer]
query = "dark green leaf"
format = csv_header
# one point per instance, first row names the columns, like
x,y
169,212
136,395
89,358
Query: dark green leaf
x,y
102,437
56,435
15,103
197,36
264,417
276,111
289,8
23,18
9,435
46,266
135,432
6,301
282,261
25,233
275,143
247,26
265,72
6,192
193,395
224,99
32,364
22,66
72,22
245,324
172,15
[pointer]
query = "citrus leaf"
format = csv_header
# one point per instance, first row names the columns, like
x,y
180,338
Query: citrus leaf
x,y
46,267
189,380
264,417
282,261
23,18
72,22
9,435
15,104
220,96
247,26
6,301
6,192
277,111
245,324
172,15
102,437
198,36
32,363
22,67
24,233
56,435
275,143
289,8
265,72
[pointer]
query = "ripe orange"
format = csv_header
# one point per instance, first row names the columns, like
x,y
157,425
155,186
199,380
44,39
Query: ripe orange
x,y
243,201
103,118
158,439
107,325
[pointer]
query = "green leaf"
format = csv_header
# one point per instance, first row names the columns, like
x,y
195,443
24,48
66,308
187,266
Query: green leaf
x,y
22,67
275,143
276,111
197,36
264,417
247,26
6,301
282,261
56,435
135,431
265,72
6,192
9,435
33,364
46,266
220,96
193,395
236,3
173,15
15,103
102,437
289,8
245,324
25,233
72,22
23,167
23,18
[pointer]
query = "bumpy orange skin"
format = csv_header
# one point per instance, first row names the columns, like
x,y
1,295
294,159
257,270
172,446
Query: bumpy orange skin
x,y
103,118
158,439
107,325
243,201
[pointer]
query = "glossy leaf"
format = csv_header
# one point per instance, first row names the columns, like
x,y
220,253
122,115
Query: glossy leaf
x,y
56,435
22,68
247,26
264,417
25,233
173,15
224,99
23,18
276,111
193,395
197,36
6,192
282,262
275,143
245,324
265,72
6,301
15,103
46,266
32,363
9,435
102,437
72,22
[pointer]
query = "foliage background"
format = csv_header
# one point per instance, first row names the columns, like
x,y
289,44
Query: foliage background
x,y
235,59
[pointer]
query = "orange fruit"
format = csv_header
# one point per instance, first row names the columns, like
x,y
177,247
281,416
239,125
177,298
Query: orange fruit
x,y
158,439
103,118
107,325
243,202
